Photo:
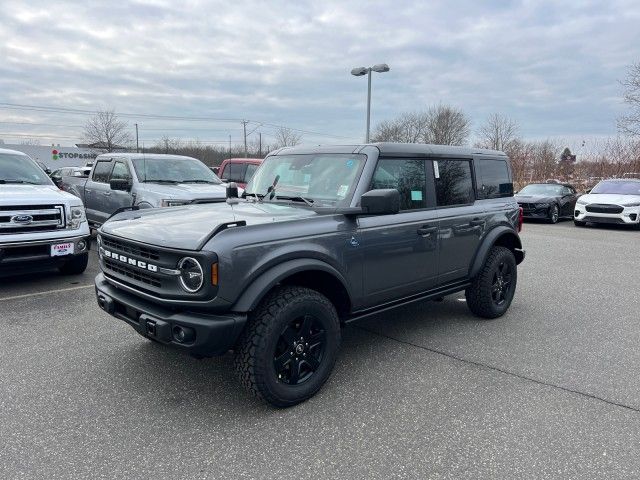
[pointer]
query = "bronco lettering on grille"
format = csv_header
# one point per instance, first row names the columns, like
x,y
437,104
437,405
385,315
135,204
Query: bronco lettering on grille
x,y
129,261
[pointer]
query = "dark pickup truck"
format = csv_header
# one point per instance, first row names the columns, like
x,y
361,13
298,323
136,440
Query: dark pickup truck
x,y
321,236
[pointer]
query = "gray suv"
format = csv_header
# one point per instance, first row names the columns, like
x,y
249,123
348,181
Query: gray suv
x,y
320,237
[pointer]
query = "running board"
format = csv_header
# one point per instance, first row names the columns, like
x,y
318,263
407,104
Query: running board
x,y
421,297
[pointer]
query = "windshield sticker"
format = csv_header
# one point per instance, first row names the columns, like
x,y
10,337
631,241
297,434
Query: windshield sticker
x,y
342,190
436,170
416,195
350,163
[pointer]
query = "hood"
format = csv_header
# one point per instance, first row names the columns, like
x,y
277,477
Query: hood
x,y
187,191
612,198
23,194
535,198
189,227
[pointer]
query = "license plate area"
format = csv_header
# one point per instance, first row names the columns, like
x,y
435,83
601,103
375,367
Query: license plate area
x,y
62,249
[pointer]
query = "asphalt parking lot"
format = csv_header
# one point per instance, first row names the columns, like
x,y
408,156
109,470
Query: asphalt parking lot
x,y
550,390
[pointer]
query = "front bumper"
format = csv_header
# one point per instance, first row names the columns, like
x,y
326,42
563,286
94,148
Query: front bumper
x,y
22,256
628,216
213,334
535,212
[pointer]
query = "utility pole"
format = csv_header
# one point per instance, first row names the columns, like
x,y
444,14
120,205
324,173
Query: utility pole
x,y
244,129
137,148
260,145
229,146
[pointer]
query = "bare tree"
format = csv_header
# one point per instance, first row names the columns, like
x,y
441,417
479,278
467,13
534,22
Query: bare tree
x,y
30,141
630,123
167,144
442,125
285,137
447,126
105,129
498,133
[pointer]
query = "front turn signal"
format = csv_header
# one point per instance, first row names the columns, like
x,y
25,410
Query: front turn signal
x,y
214,274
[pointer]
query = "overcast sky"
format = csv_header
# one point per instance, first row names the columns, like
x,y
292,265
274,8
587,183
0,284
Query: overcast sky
x,y
552,66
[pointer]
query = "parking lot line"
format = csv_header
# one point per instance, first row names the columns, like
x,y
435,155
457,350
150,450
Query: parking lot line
x,y
27,295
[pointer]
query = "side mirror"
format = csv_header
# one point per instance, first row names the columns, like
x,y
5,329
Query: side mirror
x,y
123,185
215,170
383,201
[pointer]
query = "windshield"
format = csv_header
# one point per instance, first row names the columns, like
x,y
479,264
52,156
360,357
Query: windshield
x,y
21,169
174,170
617,187
541,189
323,179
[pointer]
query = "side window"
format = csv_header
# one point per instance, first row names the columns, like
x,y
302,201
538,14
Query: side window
x,y
454,183
101,171
493,179
251,169
407,176
567,191
120,172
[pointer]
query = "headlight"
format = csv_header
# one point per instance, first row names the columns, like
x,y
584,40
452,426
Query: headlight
x,y
170,202
582,202
191,274
541,205
77,217
634,204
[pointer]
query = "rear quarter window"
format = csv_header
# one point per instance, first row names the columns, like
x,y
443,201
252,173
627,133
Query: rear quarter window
x,y
493,179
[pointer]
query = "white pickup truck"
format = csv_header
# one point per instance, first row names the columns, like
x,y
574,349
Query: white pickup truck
x,y
41,226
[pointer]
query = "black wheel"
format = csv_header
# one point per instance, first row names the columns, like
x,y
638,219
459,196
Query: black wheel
x,y
578,223
289,346
76,265
554,214
491,292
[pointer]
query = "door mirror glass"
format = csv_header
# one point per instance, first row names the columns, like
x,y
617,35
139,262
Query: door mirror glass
x,y
118,184
382,201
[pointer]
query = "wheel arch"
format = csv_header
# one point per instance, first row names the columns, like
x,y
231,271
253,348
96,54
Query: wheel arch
x,y
304,272
501,236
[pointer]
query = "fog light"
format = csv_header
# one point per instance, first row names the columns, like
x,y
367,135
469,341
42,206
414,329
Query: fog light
x,y
183,334
81,245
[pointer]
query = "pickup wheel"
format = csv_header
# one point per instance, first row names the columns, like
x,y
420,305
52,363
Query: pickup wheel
x,y
289,346
76,265
492,291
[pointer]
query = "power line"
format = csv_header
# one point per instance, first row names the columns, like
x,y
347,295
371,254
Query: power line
x,y
77,111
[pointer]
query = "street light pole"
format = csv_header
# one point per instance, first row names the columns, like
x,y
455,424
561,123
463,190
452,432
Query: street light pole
x,y
358,72
137,148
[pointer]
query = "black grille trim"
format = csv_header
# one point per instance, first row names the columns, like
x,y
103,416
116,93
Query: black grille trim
x,y
133,273
130,248
604,208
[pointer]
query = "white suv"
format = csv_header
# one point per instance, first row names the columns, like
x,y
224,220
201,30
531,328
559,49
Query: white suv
x,y
610,201
40,225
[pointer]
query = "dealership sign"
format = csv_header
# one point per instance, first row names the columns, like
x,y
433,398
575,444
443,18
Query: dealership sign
x,y
57,154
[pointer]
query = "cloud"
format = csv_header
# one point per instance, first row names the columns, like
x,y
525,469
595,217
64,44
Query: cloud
x,y
552,67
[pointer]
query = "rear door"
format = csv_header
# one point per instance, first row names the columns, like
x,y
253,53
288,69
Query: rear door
x,y
400,254
462,221
97,191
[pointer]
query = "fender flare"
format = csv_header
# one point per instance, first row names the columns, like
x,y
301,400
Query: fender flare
x,y
258,288
500,233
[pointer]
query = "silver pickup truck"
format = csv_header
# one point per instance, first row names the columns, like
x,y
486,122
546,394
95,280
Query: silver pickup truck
x,y
121,180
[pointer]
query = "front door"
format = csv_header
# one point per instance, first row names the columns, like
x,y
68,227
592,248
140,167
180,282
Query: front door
x,y
400,254
119,198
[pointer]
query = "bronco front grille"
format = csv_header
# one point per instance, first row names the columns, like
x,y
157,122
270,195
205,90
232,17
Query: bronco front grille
x,y
130,248
604,208
132,273
31,218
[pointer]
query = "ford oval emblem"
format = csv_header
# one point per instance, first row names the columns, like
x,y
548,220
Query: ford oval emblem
x,y
22,219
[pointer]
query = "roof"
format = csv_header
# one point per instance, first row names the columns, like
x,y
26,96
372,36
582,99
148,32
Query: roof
x,y
141,156
13,152
392,148
620,180
243,160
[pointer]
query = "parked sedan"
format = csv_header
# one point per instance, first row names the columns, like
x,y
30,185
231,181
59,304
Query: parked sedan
x,y
547,201
610,201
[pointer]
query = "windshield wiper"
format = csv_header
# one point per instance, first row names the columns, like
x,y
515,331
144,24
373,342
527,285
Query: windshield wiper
x,y
297,198
198,181
12,180
160,181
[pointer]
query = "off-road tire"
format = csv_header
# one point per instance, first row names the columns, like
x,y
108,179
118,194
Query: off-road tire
x,y
479,294
254,352
578,223
76,265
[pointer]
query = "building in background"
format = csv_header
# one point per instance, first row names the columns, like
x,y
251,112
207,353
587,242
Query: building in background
x,y
56,156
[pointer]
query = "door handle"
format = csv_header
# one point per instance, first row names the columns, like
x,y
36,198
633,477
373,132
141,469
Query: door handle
x,y
476,222
107,194
426,230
